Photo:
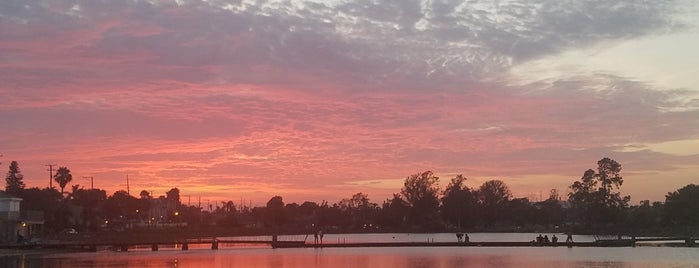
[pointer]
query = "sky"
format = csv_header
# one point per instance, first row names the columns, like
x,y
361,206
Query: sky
x,y
319,99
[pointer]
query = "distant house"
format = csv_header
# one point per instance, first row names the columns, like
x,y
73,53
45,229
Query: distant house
x,y
10,223
14,223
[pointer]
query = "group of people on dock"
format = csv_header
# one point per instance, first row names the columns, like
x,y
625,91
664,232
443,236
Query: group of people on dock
x,y
544,240
462,237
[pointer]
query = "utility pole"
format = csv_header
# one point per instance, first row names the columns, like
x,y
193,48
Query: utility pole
x,y
92,181
128,191
51,174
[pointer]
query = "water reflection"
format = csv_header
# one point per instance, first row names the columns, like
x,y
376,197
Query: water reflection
x,y
446,257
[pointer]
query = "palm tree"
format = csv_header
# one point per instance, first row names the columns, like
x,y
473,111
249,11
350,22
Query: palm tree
x,y
63,177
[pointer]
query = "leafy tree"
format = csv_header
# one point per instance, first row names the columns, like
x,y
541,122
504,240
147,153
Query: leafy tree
x,y
595,196
520,212
355,202
92,201
121,206
550,210
145,194
645,218
226,214
420,191
63,177
275,211
493,196
174,195
14,184
458,203
394,212
682,206
359,210
47,200
308,208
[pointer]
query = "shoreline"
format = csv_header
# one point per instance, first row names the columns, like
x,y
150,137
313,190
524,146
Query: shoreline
x,y
34,251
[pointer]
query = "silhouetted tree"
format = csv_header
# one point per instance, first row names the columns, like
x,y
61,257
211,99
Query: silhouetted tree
x,y
174,195
63,177
121,206
92,201
550,210
359,210
47,200
14,184
145,194
395,211
275,211
458,203
493,197
682,206
519,212
645,218
595,197
420,191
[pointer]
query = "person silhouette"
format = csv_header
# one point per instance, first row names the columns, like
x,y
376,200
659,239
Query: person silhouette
x,y
320,234
569,238
315,235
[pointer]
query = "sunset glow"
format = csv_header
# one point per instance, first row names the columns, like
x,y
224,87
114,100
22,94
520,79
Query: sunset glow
x,y
317,100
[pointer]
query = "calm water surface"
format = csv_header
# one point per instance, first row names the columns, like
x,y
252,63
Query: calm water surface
x,y
229,256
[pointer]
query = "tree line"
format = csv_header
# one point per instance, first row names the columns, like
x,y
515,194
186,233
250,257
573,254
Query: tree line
x,y
593,205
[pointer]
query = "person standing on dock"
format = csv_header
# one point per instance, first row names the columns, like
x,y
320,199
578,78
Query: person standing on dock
x,y
569,238
315,235
459,237
320,234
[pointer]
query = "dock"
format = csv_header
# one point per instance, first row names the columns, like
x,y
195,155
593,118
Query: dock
x,y
214,244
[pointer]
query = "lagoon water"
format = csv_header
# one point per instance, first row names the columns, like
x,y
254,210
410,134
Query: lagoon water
x,y
255,256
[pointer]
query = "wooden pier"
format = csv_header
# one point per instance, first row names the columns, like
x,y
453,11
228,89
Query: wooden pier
x,y
622,243
215,243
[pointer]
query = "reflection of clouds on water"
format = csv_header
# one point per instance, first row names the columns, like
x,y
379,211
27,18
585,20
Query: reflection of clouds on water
x,y
447,257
